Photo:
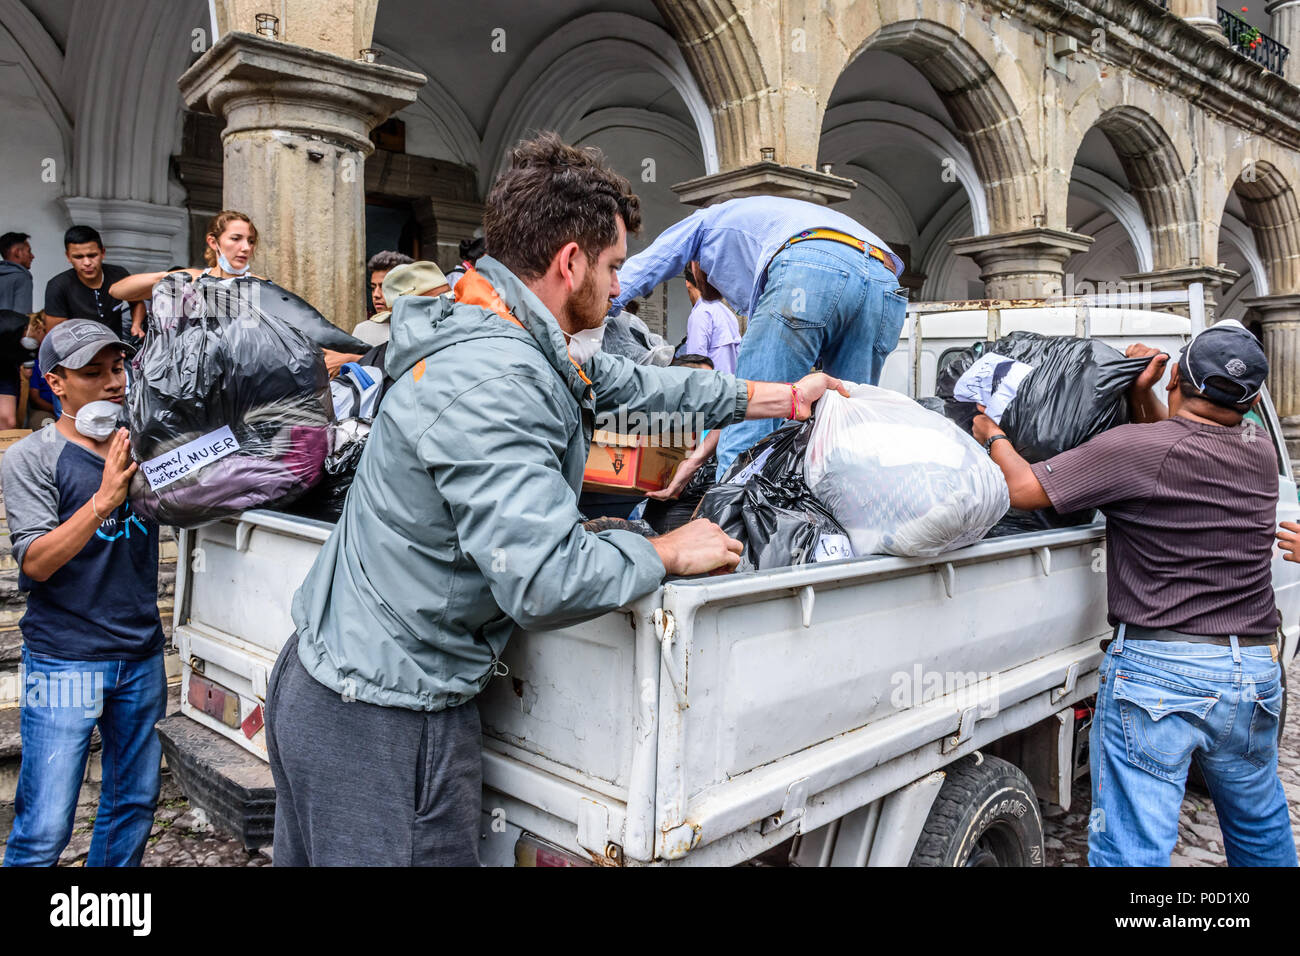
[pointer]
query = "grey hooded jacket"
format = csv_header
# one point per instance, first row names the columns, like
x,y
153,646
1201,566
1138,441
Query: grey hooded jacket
x,y
15,287
462,522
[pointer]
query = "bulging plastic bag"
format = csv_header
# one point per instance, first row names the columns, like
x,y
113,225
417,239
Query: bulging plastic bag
x,y
229,407
764,502
900,478
295,312
626,334
1078,388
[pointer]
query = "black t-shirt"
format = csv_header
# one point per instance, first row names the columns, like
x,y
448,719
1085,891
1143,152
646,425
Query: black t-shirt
x,y
66,297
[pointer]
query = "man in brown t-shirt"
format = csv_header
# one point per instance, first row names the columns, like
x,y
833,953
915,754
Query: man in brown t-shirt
x,y
1190,498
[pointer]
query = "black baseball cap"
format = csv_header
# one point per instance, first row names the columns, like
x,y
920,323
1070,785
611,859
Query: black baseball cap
x,y
1227,351
75,342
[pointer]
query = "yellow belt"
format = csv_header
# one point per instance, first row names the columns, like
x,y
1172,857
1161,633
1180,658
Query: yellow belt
x,y
836,236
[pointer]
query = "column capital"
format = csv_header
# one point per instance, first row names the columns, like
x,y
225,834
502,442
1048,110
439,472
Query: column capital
x,y
1284,307
256,83
297,123
1277,5
766,179
140,236
1025,264
1212,277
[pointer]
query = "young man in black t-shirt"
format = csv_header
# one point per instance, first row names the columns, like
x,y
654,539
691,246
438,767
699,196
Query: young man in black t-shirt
x,y
92,639
82,291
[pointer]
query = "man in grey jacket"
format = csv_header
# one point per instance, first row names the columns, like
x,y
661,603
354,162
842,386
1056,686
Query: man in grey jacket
x,y
462,523
15,272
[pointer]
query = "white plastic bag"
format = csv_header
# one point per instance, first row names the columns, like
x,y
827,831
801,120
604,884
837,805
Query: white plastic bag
x,y
900,478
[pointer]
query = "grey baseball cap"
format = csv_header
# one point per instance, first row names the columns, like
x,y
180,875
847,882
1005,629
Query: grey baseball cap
x,y
74,342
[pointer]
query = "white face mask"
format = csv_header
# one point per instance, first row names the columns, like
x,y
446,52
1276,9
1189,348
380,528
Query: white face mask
x,y
29,343
227,267
586,343
98,420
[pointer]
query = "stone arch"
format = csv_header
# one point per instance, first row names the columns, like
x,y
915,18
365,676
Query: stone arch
x,y
846,126
1239,235
1272,211
436,104
41,61
987,119
716,42
556,84
1111,197
1158,182
128,106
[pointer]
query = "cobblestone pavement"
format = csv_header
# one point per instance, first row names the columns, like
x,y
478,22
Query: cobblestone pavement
x,y
1199,841
181,837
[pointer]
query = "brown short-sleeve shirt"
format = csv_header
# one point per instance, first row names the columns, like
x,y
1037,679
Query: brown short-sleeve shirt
x,y
1191,510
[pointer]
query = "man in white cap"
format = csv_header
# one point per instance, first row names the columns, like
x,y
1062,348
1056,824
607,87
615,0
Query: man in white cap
x,y
414,278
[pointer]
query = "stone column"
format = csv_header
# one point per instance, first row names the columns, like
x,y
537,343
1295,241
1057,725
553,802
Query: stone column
x,y
1280,317
1202,14
341,27
766,178
294,145
1212,278
1285,29
1027,264
140,236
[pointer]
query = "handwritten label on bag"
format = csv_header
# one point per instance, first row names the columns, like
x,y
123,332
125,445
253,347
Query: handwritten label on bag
x,y
754,466
189,458
832,547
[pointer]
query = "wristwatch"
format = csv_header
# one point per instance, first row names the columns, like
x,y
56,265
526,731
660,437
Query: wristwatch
x,y
988,445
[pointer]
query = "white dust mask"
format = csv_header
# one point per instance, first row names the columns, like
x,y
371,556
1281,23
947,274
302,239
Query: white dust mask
x,y
29,343
98,420
227,267
585,343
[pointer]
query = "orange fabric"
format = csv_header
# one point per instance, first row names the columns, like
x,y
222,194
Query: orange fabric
x,y
479,291
418,371
473,289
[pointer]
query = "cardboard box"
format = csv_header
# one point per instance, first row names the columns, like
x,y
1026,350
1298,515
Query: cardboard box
x,y
629,463
10,435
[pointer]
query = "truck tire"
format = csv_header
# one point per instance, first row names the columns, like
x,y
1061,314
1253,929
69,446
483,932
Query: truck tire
x,y
986,814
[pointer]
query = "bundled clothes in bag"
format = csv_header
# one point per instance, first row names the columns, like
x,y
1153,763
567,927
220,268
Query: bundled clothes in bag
x,y
1049,393
229,407
764,502
356,392
900,478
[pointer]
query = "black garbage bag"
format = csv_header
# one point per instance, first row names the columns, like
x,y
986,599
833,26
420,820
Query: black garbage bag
x,y
763,501
294,311
229,407
324,500
356,394
1078,389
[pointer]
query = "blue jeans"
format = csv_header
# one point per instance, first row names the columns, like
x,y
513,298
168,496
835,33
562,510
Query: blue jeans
x,y
62,701
1160,702
823,300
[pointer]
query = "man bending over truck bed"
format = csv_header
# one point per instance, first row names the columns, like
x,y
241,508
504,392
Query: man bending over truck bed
x,y
463,523
1190,498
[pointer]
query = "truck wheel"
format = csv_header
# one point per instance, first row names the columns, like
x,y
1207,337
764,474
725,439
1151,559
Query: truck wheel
x,y
986,814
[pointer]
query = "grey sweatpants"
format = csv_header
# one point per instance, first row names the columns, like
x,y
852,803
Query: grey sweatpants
x,y
362,785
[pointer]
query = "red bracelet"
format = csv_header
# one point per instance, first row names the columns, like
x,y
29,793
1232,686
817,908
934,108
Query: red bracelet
x,y
794,401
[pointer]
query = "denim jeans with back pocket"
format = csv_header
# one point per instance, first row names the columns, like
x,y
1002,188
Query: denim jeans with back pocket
x,y
1159,703
823,300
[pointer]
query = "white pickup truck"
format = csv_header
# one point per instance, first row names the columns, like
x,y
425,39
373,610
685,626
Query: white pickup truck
x,y
877,710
